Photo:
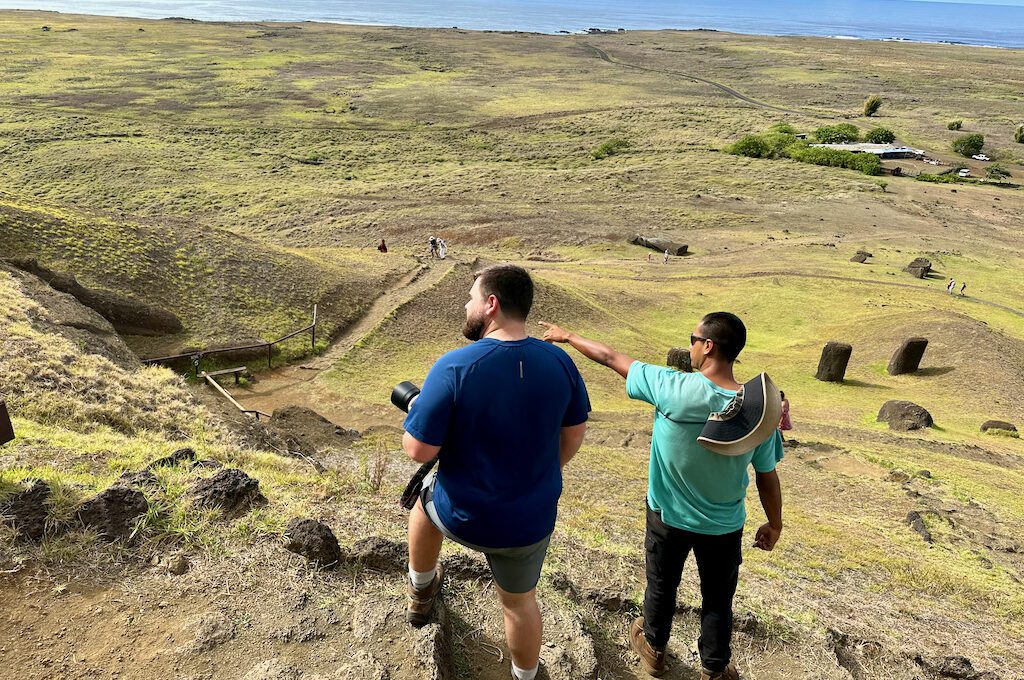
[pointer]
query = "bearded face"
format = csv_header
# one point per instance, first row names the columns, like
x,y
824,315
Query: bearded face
x,y
473,329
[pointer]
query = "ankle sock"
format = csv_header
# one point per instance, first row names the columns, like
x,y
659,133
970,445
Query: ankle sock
x,y
523,674
421,579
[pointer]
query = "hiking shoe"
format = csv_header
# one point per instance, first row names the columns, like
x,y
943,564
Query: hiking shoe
x,y
421,602
652,660
730,673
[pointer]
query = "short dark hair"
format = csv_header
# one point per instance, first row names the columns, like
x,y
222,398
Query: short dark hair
x,y
728,332
512,286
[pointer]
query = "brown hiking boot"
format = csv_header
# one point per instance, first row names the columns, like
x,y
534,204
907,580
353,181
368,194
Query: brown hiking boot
x,y
651,660
421,602
730,673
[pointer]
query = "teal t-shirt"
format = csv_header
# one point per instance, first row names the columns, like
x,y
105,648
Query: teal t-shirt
x,y
693,488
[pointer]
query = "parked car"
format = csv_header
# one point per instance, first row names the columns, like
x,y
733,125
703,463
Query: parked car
x,y
980,157
964,173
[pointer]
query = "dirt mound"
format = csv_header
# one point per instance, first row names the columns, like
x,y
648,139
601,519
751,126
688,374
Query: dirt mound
x,y
231,491
306,431
128,316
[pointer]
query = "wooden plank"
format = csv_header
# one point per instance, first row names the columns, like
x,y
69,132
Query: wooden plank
x,y
225,371
209,378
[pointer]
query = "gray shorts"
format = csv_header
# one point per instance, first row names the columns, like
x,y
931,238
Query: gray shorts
x,y
515,570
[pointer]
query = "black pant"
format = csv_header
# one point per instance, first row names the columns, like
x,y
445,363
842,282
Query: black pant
x,y
718,564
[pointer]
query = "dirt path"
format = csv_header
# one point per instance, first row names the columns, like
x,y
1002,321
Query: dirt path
x,y
604,56
292,384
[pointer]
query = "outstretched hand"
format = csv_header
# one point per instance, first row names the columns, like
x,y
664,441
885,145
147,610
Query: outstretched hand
x,y
766,538
553,333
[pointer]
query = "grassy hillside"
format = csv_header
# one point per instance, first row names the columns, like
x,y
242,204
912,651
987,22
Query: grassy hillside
x,y
236,174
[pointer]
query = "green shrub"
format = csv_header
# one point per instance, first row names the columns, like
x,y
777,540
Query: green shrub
x,y
867,163
948,178
837,134
609,148
969,145
1018,134
752,146
880,135
784,128
954,125
997,172
872,104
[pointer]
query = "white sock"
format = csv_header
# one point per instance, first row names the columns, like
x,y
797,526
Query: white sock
x,y
521,674
421,579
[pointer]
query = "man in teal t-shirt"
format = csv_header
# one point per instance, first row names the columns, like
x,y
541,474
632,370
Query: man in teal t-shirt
x,y
695,497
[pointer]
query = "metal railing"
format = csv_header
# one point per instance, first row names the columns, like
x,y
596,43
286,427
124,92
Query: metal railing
x,y
197,357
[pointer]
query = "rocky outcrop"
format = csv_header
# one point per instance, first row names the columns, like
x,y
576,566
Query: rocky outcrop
x,y
65,316
306,431
907,358
313,540
834,358
904,415
27,511
113,512
126,315
660,244
231,491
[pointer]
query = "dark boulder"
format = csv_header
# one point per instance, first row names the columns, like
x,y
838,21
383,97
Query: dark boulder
x,y
998,425
231,491
907,358
179,456
679,358
920,268
859,258
904,415
660,244
834,358
26,511
113,512
916,522
313,540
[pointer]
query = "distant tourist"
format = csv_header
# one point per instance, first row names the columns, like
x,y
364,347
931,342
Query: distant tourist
x,y
666,256
950,286
695,497
511,412
785,424
963,287
442,248
382,247
432,242
649,256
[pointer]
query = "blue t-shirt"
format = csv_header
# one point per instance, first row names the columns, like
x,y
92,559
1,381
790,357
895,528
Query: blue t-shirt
x,y
692,487
497,408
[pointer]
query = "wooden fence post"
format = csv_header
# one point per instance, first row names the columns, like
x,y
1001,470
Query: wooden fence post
x,y
314,328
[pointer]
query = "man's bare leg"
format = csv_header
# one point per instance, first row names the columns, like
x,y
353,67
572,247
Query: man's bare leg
x,y
424,540
522,626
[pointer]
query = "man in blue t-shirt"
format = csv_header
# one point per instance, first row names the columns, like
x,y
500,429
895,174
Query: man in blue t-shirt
x,y
695,497
503,416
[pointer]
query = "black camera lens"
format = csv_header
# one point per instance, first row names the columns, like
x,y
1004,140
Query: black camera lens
x,y
404,395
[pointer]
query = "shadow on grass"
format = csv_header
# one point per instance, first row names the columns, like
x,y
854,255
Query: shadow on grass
x,y
853,382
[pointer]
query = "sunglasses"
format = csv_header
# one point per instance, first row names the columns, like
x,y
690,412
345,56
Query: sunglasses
x,y
697,338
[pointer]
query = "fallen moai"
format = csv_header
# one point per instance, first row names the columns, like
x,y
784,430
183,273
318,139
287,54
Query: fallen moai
x,y
834,358
920,268
998,425
660,244
904,415
907,358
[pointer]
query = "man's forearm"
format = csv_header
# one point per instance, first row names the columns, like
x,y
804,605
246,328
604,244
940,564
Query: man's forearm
x,y
770,491
601,353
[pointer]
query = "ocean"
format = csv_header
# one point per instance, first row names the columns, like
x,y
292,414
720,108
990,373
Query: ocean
x,y
967,22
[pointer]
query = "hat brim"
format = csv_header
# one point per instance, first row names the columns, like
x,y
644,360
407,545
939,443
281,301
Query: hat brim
x,y
756,420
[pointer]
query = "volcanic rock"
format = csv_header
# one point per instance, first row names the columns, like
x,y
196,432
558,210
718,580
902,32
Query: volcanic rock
x,y
112,513
313,540
381,554
27,511
904,415
998,425
679,358
231,491
920,268
175,458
